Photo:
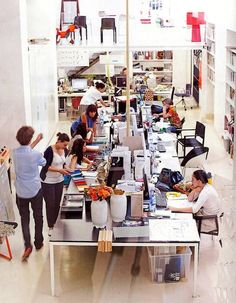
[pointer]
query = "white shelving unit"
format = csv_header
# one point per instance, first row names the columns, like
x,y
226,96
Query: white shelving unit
x,y
160,63
230,97
210,39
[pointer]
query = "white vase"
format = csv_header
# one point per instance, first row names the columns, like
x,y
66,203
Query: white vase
x,y
99,212
118,207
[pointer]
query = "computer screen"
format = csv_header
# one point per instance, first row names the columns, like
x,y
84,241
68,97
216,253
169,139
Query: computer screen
x,y
121,81
146,189
115,174
79,84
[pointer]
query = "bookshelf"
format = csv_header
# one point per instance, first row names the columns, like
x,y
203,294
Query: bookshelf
x,y
160,63
230,97
210,40
196,73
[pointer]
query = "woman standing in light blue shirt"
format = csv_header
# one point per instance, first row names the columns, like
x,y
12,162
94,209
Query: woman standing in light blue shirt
x,y
28,186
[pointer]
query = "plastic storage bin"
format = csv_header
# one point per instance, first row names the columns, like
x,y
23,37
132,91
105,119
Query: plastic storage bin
x,y
171,267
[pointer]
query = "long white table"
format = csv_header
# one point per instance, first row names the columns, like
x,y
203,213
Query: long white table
x,y
80,232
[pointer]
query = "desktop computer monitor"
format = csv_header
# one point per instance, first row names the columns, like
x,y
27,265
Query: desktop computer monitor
x,y
115,174
122,105
146,189
79,84
121,82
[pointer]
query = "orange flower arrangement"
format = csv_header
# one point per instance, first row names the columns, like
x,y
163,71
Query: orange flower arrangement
x,y
101,192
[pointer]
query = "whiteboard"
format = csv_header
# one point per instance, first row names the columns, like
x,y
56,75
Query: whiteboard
x,y
6,205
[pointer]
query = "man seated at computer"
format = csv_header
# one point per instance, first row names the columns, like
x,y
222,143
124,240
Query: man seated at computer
x,y
92,96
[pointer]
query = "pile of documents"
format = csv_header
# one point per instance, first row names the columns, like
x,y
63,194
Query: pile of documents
x,y
79,180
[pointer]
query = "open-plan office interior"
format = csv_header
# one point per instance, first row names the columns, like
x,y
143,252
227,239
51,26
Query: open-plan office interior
x,y
183,50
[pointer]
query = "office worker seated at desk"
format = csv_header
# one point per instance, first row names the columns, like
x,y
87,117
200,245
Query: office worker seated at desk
x,y
89,118
206,197
76,158
92,96
82,133
169,112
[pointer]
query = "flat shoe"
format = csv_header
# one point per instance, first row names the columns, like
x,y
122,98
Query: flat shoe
x,y
26,253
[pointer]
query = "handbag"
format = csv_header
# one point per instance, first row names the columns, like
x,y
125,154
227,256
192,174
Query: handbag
x,y
176,177
162,186
170,177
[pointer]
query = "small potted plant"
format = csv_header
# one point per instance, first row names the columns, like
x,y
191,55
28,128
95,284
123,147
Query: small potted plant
x,y
118,203
99,207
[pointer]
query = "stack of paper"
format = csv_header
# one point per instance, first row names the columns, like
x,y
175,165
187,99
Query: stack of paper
x,y
79,180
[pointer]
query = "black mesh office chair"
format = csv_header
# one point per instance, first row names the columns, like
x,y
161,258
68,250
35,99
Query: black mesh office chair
x,y
79,22
184,94
192,140
108,23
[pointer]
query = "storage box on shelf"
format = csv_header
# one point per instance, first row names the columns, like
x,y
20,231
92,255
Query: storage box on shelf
x,y
169,265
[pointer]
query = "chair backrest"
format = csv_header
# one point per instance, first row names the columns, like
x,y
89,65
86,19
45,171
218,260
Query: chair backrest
x,y
188,90
76,102
172,93
212,220
200,131
182,121
108,23
80,21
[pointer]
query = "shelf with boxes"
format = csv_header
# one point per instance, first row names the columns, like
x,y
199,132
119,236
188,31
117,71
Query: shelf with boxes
x,y
210,40
159,63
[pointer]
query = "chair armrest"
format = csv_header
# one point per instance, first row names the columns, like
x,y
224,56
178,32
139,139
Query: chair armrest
x,y
189,136
204,217
188,129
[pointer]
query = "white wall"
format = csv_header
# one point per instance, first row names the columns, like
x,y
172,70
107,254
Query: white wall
x,y
181,68
13,77
43,18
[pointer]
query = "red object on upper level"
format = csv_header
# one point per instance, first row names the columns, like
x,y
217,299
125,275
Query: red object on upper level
x,y
196,19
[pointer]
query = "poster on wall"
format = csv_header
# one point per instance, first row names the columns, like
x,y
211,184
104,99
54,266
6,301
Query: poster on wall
x,y
155,12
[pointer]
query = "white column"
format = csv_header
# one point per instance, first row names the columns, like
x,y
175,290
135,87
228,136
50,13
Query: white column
x,y
13,73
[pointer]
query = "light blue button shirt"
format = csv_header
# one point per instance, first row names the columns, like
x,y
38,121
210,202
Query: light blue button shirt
x,y
26,162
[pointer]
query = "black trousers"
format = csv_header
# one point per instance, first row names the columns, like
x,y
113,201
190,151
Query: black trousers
x,y
52,194
37,207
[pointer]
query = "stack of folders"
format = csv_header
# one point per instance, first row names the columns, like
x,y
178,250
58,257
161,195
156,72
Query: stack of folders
x,y
79,180
105,240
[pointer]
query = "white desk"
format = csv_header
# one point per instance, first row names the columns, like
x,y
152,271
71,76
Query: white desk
x,y
80,232
64,98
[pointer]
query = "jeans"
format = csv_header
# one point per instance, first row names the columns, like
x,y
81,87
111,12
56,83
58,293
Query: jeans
x,y
52,194
37,207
